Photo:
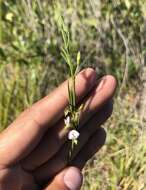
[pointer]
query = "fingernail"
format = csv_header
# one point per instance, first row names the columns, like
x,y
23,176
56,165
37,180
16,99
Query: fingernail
x,y
73,178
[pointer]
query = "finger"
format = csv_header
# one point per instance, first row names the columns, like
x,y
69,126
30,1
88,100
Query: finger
x,y
29,128
60,160
98,97
68,179
93,146
55,138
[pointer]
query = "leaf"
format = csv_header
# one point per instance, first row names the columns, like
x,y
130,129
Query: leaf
x,y
66,112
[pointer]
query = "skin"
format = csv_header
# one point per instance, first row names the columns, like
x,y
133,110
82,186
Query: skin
x,y
34,148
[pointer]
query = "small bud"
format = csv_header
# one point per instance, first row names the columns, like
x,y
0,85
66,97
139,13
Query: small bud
x,y
78,58
67,121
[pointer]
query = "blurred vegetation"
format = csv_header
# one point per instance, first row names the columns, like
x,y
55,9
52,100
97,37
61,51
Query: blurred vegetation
x,y
110,35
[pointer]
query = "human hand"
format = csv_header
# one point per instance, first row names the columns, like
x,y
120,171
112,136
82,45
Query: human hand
x,y
34,148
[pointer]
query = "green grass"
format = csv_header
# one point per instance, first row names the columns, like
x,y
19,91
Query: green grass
x,y
110,36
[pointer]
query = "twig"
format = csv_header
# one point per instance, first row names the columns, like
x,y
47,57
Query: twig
x,y
126,44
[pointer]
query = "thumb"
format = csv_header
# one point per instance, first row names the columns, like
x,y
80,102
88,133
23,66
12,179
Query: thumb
x,y
68,179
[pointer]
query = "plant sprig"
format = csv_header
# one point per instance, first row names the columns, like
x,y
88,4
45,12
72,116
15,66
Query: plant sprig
x,y
72,113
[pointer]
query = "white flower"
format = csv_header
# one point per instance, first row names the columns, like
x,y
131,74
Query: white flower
x,y
73,135
67,121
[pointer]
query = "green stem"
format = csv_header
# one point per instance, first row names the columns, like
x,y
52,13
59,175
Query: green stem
x,y
74,93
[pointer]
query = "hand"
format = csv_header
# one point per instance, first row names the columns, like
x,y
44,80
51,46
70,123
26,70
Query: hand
x,y
34,148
